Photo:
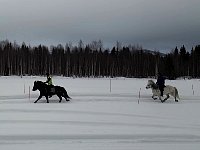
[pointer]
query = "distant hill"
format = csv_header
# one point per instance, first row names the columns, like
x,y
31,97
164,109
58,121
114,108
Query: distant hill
x,y
154,52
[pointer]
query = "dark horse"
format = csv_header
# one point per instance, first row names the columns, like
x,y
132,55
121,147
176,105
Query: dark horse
x,y
46,91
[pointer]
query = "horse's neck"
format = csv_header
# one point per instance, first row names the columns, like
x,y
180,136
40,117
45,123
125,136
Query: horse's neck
x,y
42,85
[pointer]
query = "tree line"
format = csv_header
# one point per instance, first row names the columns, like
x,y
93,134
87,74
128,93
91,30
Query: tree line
x,y
92,60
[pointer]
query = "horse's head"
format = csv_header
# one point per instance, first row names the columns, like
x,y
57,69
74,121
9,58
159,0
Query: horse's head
x,y
35,86
150,83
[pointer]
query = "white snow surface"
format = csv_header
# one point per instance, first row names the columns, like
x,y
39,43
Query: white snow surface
x,y
97,118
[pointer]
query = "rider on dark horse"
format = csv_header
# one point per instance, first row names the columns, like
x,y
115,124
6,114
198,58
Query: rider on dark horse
x,y
161,83
50,84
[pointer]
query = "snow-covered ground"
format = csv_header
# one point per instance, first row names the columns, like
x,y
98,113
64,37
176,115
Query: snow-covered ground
x,y
97,118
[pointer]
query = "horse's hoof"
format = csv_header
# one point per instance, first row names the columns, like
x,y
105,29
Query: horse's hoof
x,y
176,100
162,101
67,99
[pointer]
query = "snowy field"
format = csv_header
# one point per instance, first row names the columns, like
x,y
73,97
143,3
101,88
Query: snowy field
x,y
97,118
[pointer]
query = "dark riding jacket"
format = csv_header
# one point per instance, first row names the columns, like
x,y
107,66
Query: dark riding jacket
x,y
161,81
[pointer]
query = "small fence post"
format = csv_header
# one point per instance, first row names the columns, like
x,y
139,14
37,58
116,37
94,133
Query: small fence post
x,y
192,89
29,94
24,89
110,84
139,97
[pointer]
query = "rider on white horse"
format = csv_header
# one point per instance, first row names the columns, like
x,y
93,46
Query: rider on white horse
x,y
161,83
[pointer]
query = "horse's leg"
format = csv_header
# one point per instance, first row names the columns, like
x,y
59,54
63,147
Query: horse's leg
x,y
38,98
154,97
175,98
60,97
47,98
175,94
159,94
166,98
162,101
66,98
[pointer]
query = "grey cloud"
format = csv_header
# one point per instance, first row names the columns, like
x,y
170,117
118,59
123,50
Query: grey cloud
x,y
155,24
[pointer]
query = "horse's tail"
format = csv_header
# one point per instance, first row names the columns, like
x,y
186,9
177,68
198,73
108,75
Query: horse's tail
x,y
65,93
176,93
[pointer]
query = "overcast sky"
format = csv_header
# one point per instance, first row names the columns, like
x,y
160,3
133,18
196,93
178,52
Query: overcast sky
x,y
154,24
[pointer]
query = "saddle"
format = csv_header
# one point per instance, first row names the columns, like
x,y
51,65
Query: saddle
x,y
156,86
52,90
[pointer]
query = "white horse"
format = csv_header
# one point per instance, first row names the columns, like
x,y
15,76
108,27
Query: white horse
x,y
168,90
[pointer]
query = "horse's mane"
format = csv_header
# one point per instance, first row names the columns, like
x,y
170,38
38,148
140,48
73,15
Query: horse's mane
x,y
40,82
151,81
153,84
